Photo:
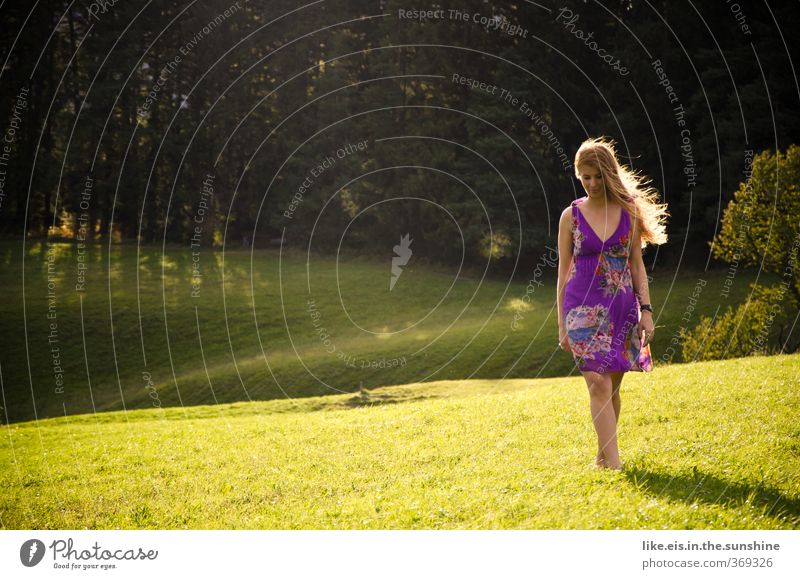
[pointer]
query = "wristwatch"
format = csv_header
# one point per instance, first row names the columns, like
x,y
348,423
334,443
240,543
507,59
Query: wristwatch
x,y
646,308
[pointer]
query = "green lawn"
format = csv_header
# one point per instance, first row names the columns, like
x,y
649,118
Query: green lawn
x,y
136,337
482,425
712,445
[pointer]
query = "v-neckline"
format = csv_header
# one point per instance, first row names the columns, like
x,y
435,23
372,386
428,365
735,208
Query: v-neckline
x,y
589,225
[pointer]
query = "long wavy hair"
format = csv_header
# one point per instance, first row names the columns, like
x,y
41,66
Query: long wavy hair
x,y
626,187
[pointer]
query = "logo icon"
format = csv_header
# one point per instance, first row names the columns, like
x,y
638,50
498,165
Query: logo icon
x,y
31,552
403,252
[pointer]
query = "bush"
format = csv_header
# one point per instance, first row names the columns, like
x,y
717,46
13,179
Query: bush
x,y
759,326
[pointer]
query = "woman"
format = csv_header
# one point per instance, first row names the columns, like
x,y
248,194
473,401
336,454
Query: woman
x,y
600,276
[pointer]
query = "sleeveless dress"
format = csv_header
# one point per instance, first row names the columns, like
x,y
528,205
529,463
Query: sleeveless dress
x,y
601,307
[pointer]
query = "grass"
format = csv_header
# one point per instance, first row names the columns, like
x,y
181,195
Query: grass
x,y
176,413
135,337
711,445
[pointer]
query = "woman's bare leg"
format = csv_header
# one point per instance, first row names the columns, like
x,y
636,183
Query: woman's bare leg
x,y
605,421
616,403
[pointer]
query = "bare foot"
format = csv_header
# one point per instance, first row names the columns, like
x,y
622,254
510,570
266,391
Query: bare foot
x,y
600,460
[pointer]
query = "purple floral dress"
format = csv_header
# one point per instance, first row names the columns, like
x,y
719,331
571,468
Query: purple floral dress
x,y
600,304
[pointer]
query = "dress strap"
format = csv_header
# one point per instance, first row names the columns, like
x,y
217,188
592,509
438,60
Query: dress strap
x,y
576,224
574,205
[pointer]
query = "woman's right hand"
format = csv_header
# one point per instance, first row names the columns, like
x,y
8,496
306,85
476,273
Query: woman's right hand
x,y
562,339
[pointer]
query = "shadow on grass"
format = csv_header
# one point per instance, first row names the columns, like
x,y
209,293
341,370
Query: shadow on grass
x,y
368,398
699,487
238,409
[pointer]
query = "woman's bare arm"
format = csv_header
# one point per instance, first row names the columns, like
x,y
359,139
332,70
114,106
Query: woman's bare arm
x,y
564,259
638,270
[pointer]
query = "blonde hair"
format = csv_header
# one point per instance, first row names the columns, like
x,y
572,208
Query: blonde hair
x,y
626,187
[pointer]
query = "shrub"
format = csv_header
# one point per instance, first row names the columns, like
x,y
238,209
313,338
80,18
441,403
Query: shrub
x,y
759,326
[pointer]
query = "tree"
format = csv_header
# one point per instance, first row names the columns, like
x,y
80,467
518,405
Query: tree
x,y
760,227
762,325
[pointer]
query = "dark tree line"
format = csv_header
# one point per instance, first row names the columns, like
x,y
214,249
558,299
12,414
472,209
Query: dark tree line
x,y
145,121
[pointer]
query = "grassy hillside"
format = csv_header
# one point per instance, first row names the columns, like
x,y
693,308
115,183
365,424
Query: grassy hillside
x,y
709,445
134,336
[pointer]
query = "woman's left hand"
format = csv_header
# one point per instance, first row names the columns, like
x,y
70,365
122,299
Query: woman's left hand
x,y
645,328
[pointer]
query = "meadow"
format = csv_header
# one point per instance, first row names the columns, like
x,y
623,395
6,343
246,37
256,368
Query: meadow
x,y
263,402
712,445
134,327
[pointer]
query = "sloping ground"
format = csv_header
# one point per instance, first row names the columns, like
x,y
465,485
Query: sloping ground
x,y
705,445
